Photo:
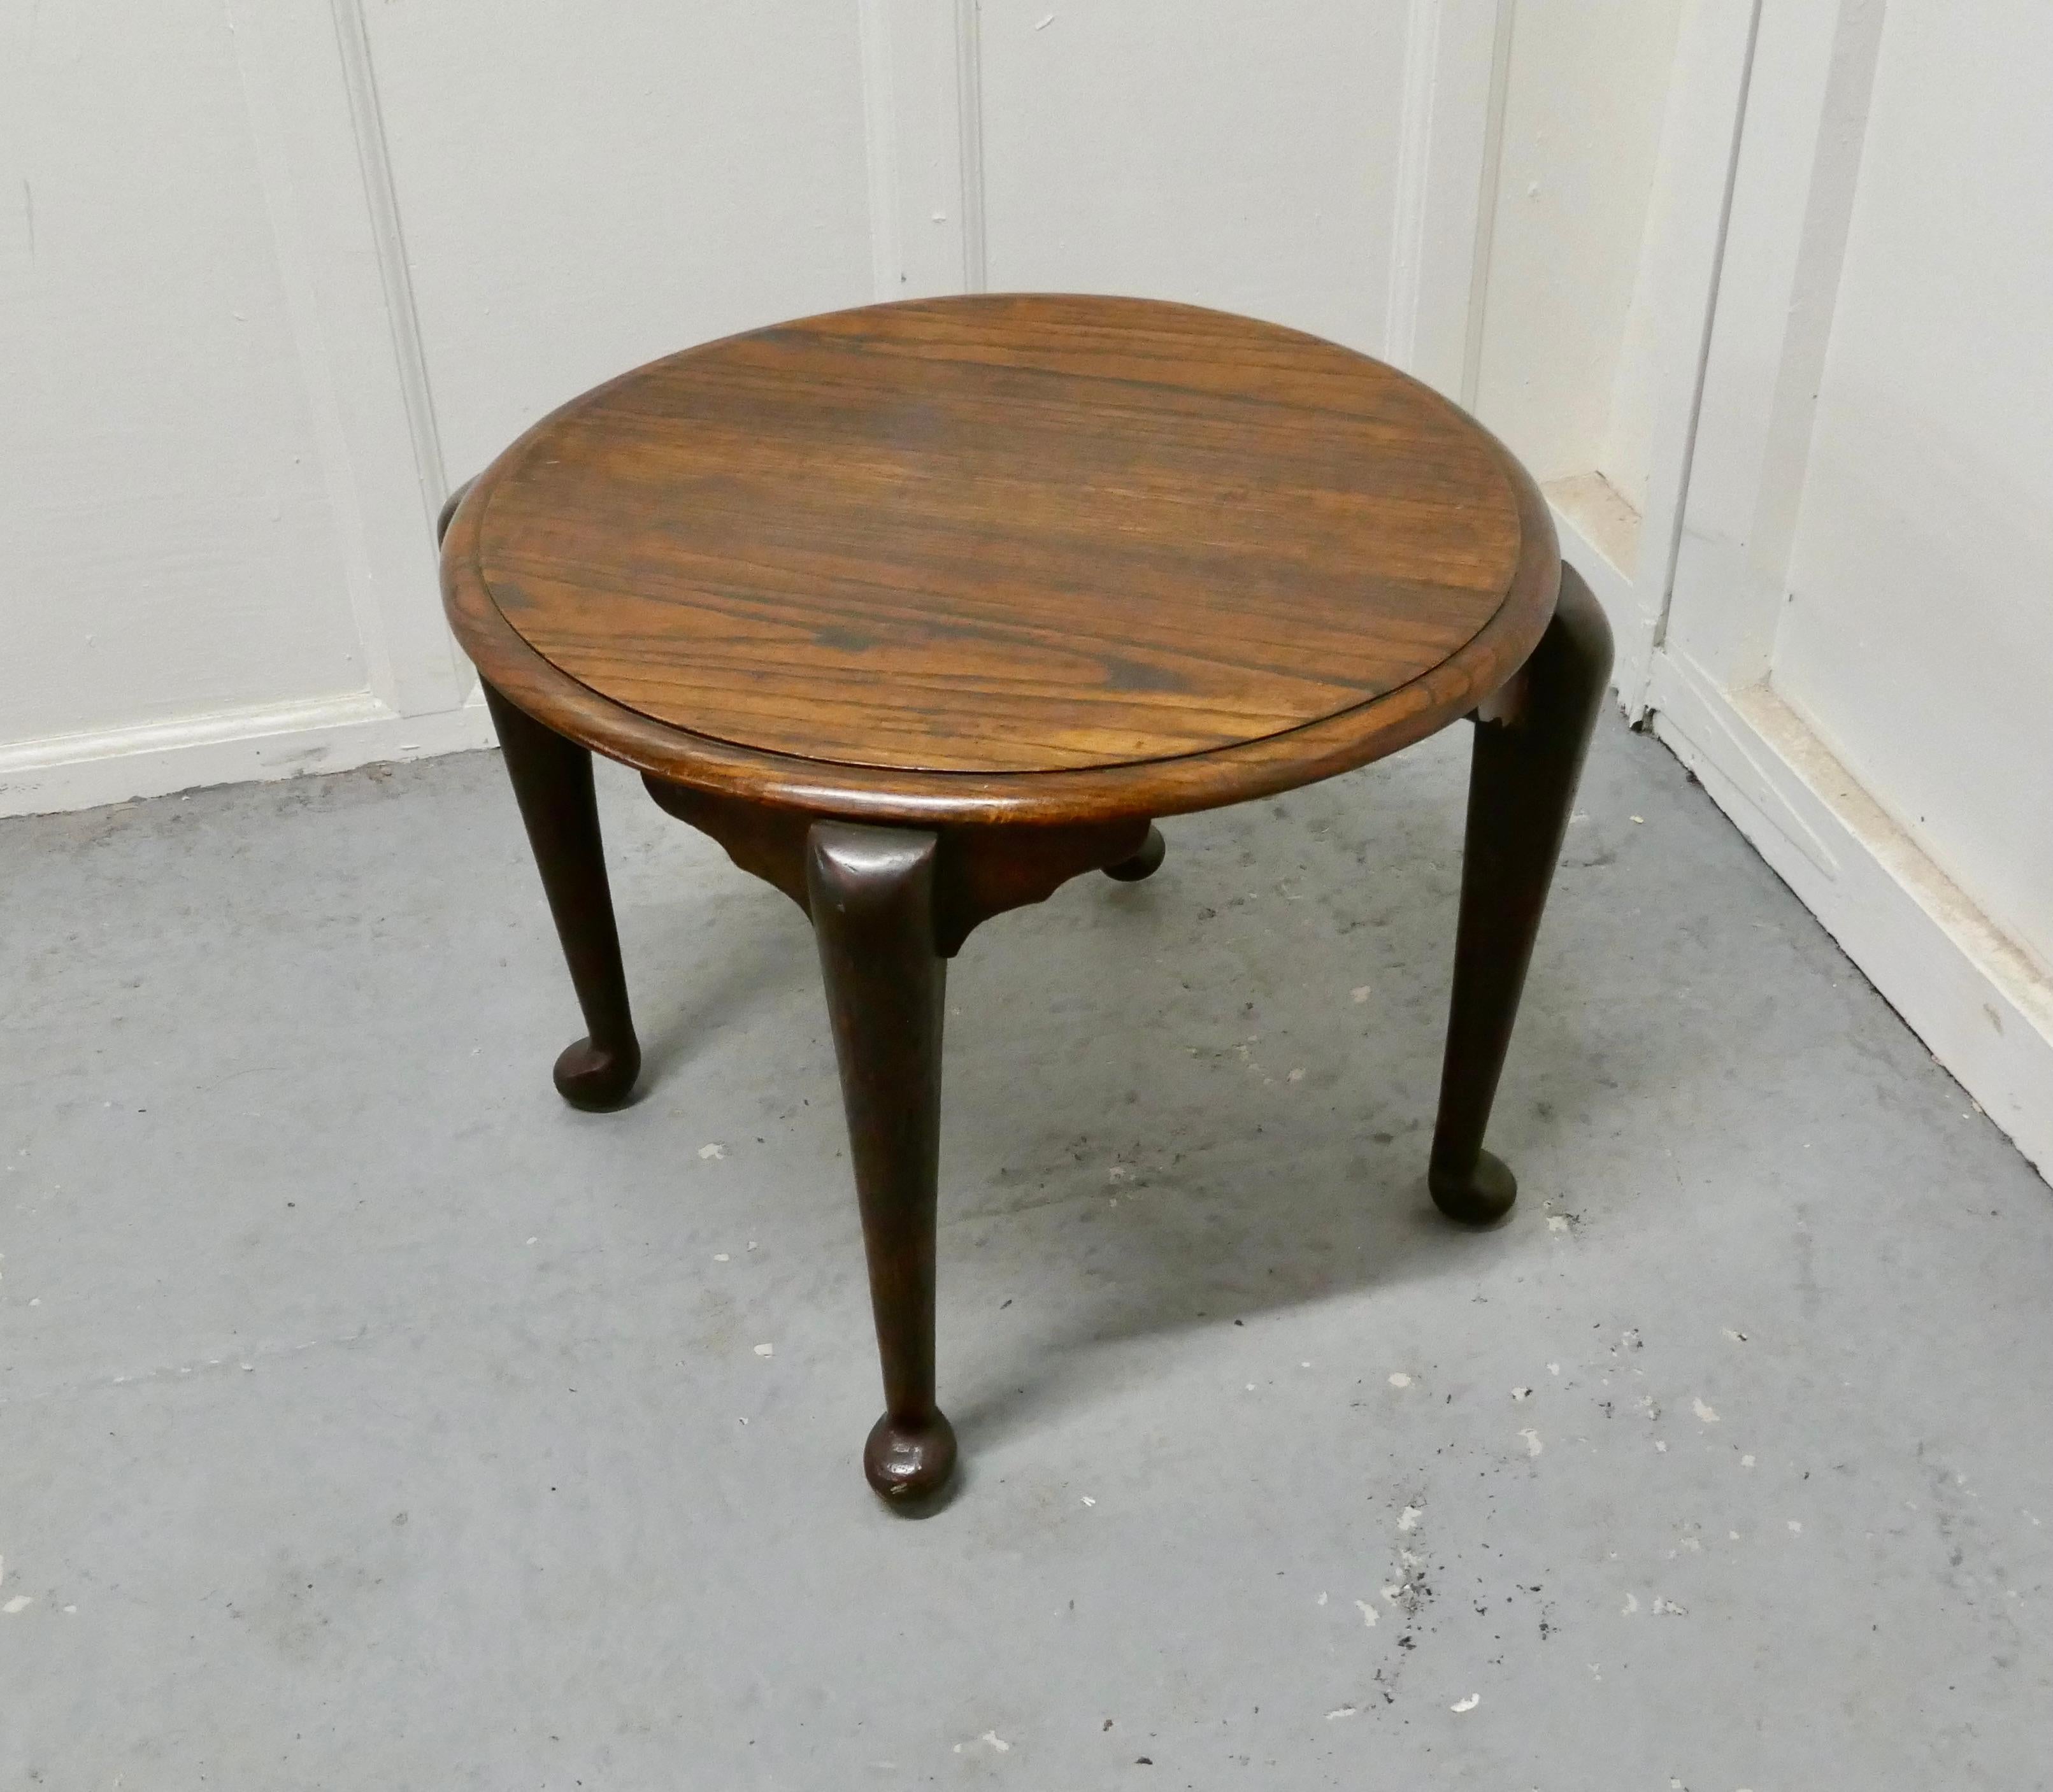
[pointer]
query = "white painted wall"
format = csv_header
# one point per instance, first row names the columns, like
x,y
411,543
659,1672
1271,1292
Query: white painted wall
x,y
1917,638
168,547
285,271
584,188
1562,371
1238,155
1861,633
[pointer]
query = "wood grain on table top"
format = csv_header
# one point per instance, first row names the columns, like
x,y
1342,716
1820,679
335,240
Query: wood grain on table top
x,y
1006,536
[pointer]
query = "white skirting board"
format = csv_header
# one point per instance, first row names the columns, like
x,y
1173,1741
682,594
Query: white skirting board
x,y
1983,1007
228,746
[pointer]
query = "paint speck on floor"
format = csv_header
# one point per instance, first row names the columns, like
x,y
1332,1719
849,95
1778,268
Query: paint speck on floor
x,y
766,1350
21,1602
709,1154
990,1739
1088,1500
1408,1519
1340,1711
1708,1413
1632,1605
1367,1613
1469,1704
1360,992
1400,1379
1533,1446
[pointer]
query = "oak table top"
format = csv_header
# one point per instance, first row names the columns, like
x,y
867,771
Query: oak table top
x,y
1002,558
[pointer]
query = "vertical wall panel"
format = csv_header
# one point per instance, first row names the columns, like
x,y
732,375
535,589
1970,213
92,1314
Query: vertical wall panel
x,y
1227,153
1587,89
583,188
168,547
1918,637
282,270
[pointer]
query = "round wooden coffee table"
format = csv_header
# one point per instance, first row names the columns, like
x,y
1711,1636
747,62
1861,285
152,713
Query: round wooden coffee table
x,y
922,609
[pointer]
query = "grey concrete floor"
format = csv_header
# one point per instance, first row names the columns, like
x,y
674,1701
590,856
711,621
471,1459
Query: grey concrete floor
x,y
369,1419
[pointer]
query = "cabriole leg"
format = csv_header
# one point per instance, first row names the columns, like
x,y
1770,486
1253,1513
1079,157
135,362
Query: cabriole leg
x,y
1528,756
552,783
871,895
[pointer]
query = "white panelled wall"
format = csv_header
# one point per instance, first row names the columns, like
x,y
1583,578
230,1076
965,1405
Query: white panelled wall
x,y
284,272
1858,650
1757,291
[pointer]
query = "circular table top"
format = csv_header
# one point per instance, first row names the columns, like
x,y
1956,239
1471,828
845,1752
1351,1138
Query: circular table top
x,y
1029,558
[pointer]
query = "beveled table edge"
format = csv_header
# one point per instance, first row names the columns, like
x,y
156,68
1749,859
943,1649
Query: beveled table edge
x,y
1211,778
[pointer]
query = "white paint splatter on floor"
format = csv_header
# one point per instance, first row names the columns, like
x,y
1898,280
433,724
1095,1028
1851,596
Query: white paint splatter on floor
x,y
990,1739
1533,1446
1367,1613
709,1153
1469,1704
766,1350
1408,1519
1708,1414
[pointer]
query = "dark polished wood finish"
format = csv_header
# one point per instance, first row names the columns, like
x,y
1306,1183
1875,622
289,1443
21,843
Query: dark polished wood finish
x,y
1530,740
872,892
1003,560
921,611
552,784
1145,863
